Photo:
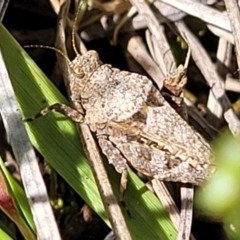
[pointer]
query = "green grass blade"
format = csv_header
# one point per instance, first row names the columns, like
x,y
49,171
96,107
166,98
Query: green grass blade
x,y
4,235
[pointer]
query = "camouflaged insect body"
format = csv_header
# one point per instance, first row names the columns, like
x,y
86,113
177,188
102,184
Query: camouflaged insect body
x,y
136,126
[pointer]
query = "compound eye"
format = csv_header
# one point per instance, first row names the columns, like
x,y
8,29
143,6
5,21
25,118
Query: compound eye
x,y
93,54
78,71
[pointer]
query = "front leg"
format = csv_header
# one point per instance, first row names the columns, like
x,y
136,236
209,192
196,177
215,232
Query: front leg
x,y
67,111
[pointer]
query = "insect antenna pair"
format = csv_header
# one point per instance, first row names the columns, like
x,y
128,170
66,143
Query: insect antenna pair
x,y
76,70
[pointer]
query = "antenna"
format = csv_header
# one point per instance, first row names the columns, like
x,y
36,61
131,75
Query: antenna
x,y
51,48
73,40
73,29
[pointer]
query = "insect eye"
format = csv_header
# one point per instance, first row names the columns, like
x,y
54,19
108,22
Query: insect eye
x,y
78,71
93,54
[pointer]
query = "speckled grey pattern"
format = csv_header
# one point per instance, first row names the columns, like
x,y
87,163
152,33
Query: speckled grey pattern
x,y
135,125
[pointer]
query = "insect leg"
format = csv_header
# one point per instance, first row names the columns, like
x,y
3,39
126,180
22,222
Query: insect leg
x,y
115,157
61,108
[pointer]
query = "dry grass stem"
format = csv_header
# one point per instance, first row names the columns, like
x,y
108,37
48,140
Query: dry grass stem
x,y
234,16
110,202
25,156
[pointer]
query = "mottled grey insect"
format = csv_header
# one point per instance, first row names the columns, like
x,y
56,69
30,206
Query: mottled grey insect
x,y
135,126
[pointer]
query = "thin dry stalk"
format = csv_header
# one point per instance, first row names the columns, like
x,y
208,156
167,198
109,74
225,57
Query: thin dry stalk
x,y
203,12
110,202
234,16
138,51
157,32
200,56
